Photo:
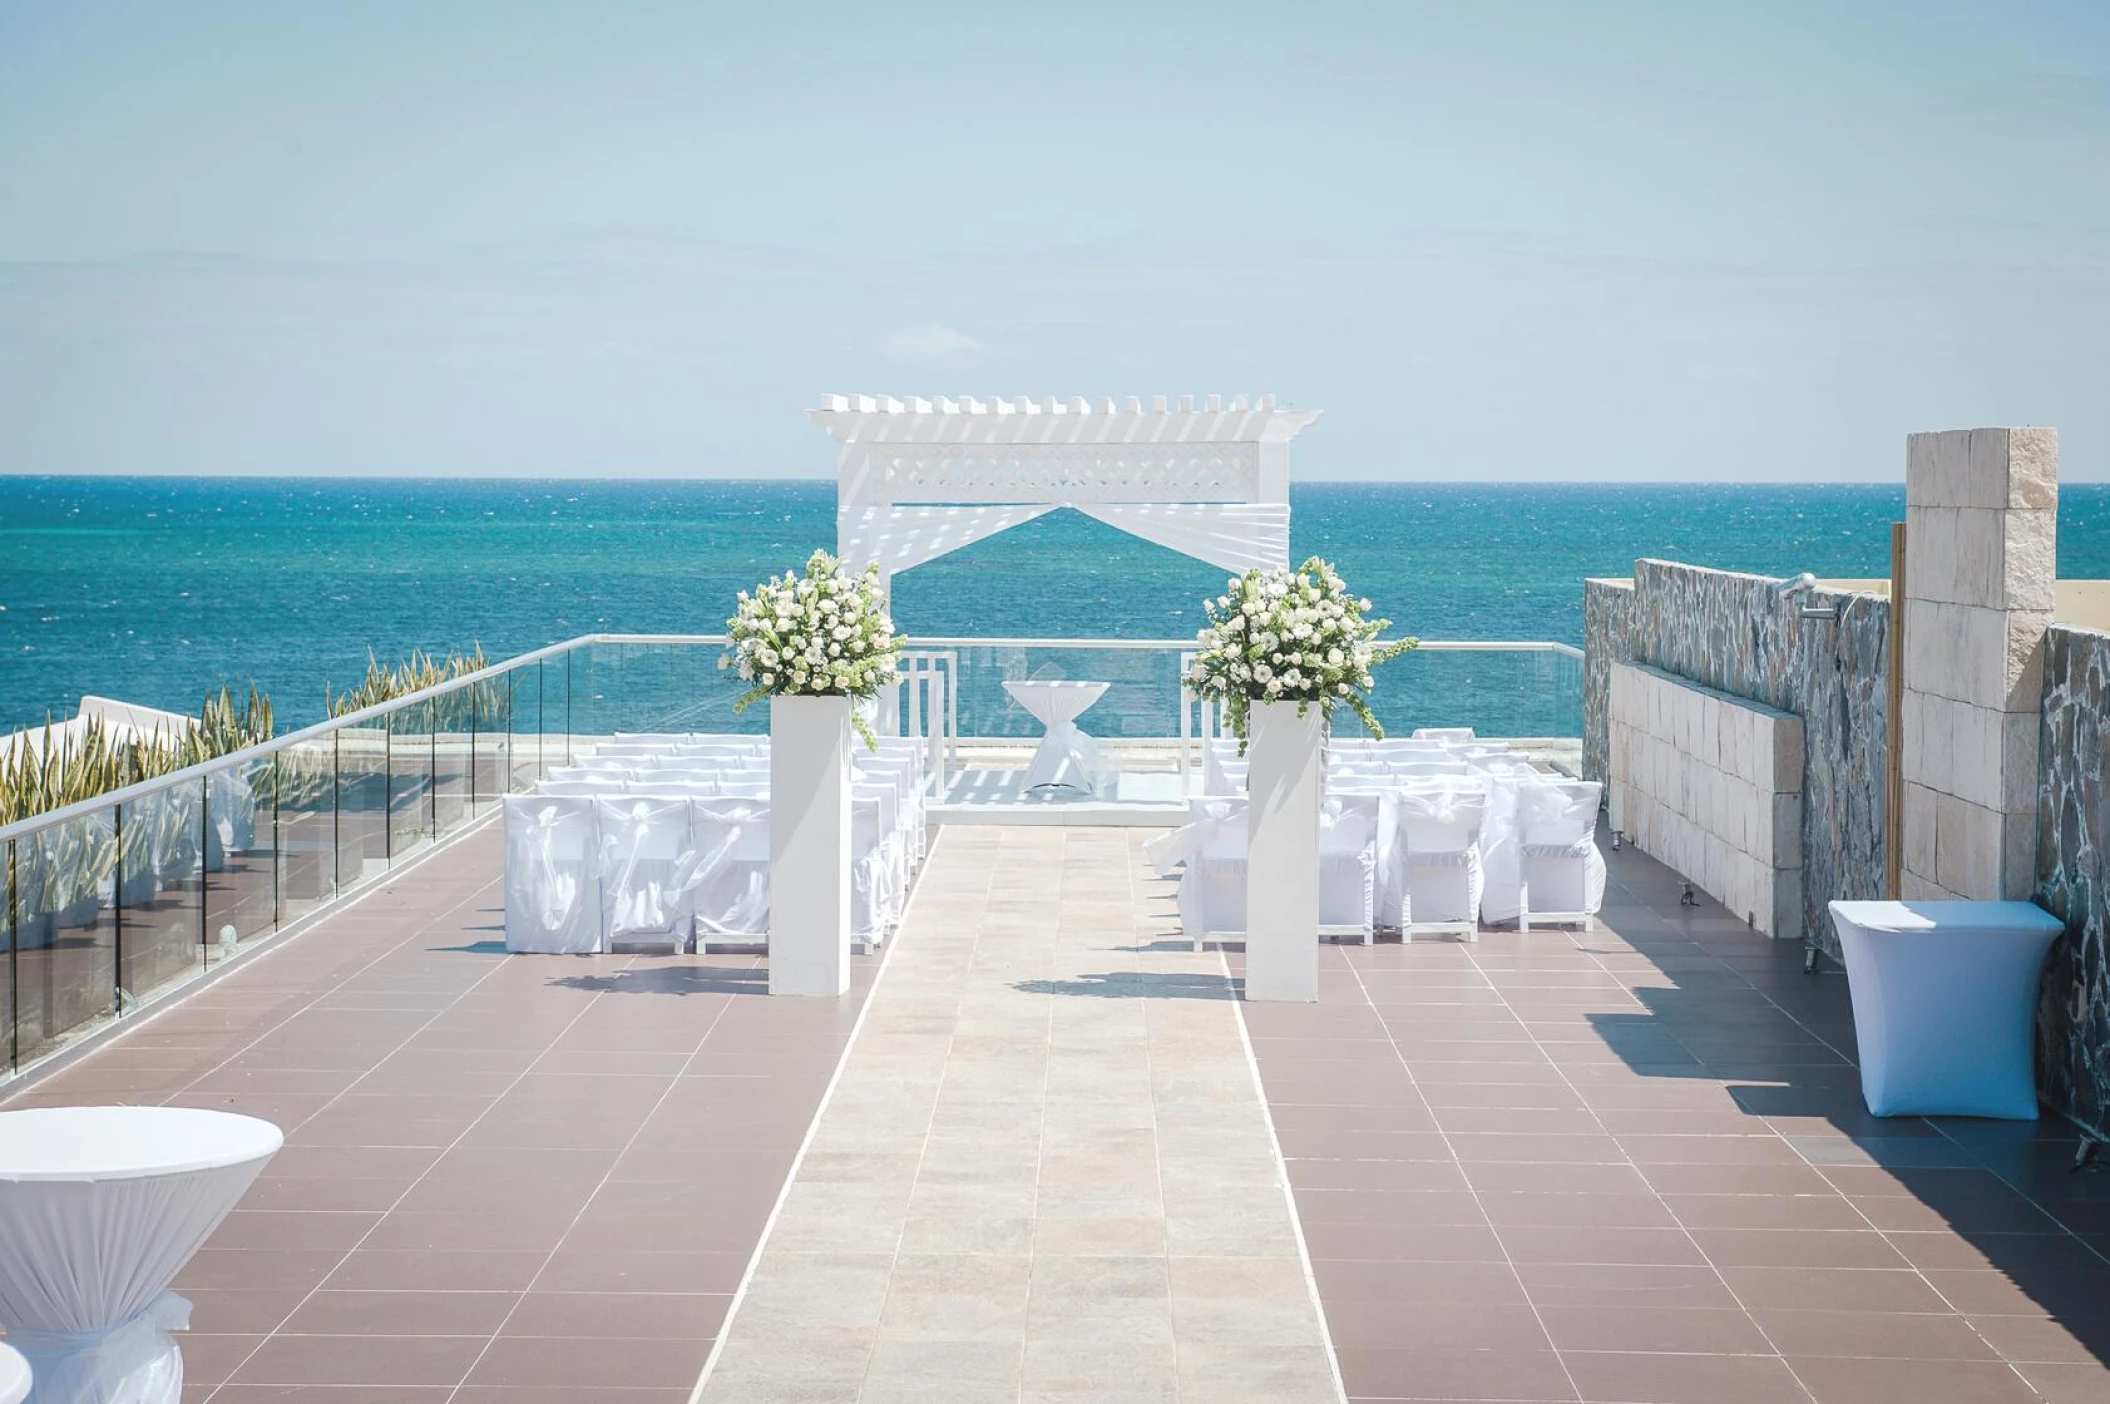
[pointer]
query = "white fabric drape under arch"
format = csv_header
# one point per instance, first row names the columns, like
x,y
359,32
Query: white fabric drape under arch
x,y
1231,535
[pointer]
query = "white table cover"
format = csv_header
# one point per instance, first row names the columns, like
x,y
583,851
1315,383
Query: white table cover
x,y
100,1208
1945,1004
1066,755
14,1375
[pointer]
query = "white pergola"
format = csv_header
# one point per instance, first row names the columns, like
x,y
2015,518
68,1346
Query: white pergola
x,y
917,478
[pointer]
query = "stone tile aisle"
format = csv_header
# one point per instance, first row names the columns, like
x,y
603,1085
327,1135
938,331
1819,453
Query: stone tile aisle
x,y
1046,1172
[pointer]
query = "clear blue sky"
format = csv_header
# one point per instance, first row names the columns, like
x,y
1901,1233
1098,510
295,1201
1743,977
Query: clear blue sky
x,y
1546,241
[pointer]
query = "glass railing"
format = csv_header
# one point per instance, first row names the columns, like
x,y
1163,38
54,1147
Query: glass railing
x,y
111,903
115,902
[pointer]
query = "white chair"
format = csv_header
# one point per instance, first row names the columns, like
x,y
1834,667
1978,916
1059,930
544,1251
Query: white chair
x,y
1349,826
1563,874
646,860
1447,734
1428,769
1212,883
873,870
1439,838
575,789
728,885
1212,896
743,784
553,903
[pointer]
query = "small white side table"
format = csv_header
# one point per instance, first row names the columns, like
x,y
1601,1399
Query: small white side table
x,y
100,1208
1945,1004
1066,756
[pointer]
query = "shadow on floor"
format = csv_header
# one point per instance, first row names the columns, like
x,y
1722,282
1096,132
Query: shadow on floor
x,y
1135,984
671,980
1994,1214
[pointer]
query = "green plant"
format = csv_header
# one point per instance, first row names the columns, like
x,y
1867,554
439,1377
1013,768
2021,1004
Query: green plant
x,y
420,670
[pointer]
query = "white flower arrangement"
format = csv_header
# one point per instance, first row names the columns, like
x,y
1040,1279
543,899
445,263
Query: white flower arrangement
x,y
1290,636
822,634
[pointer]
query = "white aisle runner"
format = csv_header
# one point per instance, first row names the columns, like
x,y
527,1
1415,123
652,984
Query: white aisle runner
x,y
1046,1171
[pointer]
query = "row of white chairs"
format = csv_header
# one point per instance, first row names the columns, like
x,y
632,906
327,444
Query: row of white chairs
x,y
1435,833
666,839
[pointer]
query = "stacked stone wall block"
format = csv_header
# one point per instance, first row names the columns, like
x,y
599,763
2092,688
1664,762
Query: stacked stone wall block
x,y
1717,813
1981,511
1732,632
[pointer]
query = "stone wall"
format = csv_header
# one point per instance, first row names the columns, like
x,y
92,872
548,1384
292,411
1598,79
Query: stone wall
x,y
1730,632
2073,874
1981,511
1605,608
1712,785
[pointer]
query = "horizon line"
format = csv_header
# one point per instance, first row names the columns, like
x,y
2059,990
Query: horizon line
x,y
355,477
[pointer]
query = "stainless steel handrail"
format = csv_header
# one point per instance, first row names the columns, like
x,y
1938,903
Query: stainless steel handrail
x,y
22,828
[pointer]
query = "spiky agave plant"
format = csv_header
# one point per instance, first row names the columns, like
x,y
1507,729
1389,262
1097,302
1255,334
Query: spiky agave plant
x,y
384,683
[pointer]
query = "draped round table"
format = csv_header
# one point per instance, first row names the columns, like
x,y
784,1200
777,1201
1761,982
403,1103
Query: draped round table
x,y
100,1208
14,1375
1066,756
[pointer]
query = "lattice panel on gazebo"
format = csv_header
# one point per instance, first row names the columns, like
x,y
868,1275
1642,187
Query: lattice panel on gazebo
x,y
1205,472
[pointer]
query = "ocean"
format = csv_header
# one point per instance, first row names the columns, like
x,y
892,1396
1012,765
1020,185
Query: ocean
x,y
156,590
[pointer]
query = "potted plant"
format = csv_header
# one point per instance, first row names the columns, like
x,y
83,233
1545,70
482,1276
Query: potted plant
x,y
816,645
1281,651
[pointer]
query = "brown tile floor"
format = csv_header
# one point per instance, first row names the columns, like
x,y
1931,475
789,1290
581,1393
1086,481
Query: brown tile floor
x,y
519,1179
1627,1166
1632,1165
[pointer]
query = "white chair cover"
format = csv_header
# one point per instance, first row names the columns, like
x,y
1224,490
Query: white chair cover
x,y
1349,829
1563,873
553,901
575,788
729,882
1212,885
1443,733
647,859
1439,834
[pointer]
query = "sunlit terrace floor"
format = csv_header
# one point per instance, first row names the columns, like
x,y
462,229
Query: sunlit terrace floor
x,y
1625,1166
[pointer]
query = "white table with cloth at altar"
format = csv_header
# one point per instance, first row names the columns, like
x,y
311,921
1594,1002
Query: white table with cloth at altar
x,y
100,1208
1066,756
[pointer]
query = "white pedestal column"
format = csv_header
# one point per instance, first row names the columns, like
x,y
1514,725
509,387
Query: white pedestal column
x,y
809,845
1284,780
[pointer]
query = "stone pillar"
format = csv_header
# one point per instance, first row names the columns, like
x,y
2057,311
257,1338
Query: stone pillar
x,y
1981,516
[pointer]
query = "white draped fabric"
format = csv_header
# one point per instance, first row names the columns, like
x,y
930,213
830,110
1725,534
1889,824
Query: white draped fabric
x,y
896,538
1231,535
100,1208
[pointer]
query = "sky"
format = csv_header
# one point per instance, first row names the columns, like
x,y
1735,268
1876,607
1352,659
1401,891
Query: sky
x,y
1529,241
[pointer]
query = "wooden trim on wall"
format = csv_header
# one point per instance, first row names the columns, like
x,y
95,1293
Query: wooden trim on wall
x,y
1894,767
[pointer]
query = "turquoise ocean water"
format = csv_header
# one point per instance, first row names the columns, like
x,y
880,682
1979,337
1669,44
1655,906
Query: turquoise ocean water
x,y
157,589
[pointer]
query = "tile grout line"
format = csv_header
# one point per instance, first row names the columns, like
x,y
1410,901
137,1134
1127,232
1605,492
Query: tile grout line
x,y
593,1194
309,1295
1561,1072
2014,1367
922,1154
1508,1259
1289,1191
776,1210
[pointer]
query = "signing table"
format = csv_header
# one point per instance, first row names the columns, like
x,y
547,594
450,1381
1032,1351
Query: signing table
x,y
100,1208
1066,757
1945,1004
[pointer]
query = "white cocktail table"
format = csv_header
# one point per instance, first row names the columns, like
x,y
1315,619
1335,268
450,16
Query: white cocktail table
x,y
14,1375
100,1208
1945,1004
1066,756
